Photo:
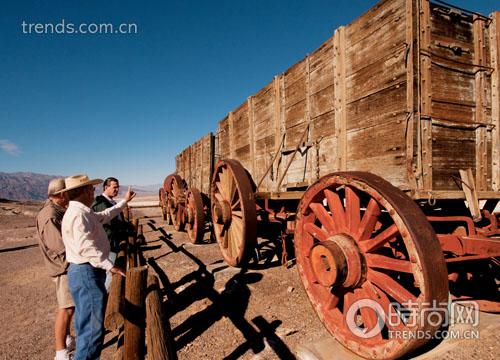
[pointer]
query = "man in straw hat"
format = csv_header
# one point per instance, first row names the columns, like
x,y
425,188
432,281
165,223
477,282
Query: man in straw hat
x,y
87,251
48,224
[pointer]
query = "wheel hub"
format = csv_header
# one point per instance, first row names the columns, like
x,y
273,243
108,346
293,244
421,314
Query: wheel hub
x,y
223,212
338,262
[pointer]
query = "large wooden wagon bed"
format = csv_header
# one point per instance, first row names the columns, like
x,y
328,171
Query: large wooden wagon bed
x,y
365,151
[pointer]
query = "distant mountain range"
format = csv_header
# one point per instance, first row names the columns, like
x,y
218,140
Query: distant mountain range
x,y
23,186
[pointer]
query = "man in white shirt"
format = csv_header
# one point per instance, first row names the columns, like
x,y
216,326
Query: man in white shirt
x,y
87,252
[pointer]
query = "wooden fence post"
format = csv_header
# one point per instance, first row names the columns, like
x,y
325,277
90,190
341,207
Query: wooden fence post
x,y
134,313
132,252
158,333
113,318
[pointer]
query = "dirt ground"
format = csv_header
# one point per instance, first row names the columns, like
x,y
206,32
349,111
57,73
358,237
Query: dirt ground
x,y
215,311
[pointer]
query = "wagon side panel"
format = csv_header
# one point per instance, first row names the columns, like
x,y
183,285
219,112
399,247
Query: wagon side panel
x,y
375,92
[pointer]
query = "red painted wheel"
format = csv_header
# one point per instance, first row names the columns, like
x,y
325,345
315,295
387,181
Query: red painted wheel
x,y
176,201
167,185
195,216
233,212
367,256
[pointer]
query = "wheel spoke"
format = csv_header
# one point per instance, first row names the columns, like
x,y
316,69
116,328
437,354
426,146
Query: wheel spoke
x,y
390,286
237,224
230,186
237,213
223,236
315,232
218,184
232,243
385,262
369,221
353,210
349,300
237,204
369,316
324,218
219,197
337,210
392,319
371,245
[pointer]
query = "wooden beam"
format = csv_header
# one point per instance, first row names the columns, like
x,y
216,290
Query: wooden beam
x,y
410,89
231,135
282,127
425,96
481,103
495,98
278,135
451,195
308,160
251,132
339,74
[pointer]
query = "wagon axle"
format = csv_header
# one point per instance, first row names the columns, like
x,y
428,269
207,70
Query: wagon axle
x,y
338,262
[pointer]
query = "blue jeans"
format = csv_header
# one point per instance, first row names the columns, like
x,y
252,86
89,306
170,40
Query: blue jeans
x,y
86,284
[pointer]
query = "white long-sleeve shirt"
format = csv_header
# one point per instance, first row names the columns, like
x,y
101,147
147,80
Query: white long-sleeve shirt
x,y
84,237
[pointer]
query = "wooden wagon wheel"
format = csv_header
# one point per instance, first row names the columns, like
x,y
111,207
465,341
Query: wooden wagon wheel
x,y
364,250
233,211
176,201
167,184
195,216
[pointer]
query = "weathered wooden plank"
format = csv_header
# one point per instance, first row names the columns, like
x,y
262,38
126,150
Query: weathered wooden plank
x,y
386,38
379,140
231,135
386,72
340,98
376,17
376,109
223,139
453,149
453,89
251,134
481,103
322,102
495,99
411,35
321,67
425,129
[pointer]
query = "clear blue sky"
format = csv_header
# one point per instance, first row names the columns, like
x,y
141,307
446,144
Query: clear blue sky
x,y
125,105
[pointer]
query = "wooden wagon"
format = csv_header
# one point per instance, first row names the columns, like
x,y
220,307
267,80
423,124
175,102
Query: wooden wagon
x,y
365,151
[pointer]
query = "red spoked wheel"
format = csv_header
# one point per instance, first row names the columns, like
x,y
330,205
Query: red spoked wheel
x,y
233,212
370,263
167,185
176,201
195,214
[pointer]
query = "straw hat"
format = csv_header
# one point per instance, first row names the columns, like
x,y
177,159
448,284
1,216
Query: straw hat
x,y
77,181
56,186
